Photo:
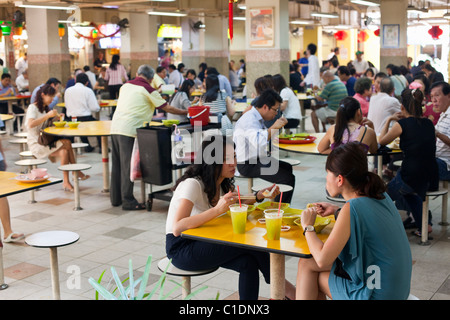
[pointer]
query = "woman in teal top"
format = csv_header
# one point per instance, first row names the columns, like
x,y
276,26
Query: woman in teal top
x,y
367,255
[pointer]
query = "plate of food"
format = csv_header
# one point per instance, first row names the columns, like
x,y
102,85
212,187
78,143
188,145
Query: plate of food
x,y
298,138
28,178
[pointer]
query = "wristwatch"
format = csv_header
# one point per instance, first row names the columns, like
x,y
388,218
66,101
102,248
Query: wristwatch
x,y
308,228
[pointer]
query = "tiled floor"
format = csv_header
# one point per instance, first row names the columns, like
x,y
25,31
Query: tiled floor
x,y
111,237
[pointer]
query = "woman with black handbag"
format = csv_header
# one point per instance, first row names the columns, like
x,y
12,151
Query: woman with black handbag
x,y
38,115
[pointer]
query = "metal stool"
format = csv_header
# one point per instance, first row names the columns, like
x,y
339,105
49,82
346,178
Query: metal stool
x,y
30,164
164,265
22,142
266,184
292,162
77,146
441,192
76,168
26,155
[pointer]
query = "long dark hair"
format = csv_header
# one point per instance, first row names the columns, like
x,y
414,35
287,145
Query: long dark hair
x,y
212,88
412,102
346,111
279,83
185,87
209,170
350,161
47,90
114,62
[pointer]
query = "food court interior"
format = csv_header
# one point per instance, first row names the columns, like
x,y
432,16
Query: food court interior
x,y
58,37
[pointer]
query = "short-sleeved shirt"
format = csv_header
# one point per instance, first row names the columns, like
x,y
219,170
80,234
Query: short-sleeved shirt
x,y
364,104
157,82
443,126
334,92
292,110
136,104
180,101
350,85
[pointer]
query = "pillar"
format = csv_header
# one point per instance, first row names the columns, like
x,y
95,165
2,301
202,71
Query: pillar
x,y
267,51
193,43
393,33
48,55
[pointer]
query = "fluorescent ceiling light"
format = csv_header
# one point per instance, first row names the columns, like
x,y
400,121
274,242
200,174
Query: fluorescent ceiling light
x,y
324,14
239,18
365,2
36,6
169,14
305,22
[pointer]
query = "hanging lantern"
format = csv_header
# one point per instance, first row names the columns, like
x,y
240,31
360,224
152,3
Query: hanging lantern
x,y
363,36
94,33
6,30
230,18
18,28
1,35
435,32
377,32
61,30
340,35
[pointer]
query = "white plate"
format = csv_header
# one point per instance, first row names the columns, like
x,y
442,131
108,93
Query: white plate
x,y
27,178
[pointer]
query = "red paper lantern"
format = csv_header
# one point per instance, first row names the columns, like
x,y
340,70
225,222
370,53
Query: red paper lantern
x,y
435,32
340,35
363,36
377,32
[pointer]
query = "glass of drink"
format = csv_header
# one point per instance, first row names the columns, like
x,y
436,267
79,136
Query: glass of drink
x,y
273,223
238,217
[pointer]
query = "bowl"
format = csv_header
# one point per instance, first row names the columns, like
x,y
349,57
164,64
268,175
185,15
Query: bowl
x,y
73,124
319,224
290,215
272,205
250,209
59,124
38,173
169,123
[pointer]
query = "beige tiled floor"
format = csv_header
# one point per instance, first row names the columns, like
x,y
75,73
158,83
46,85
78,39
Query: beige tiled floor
x,y
111,237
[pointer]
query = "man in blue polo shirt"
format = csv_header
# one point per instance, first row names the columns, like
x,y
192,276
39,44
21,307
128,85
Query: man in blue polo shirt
x,y
349,81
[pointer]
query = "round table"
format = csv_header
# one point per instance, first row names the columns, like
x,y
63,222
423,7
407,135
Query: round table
x,y
53,240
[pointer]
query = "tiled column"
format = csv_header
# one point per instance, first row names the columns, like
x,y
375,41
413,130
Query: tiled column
x,y
268,59
393,12
48,55
193,44
139,43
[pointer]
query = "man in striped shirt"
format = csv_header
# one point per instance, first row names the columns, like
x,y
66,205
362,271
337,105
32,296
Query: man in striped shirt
x,y
333,93
440,97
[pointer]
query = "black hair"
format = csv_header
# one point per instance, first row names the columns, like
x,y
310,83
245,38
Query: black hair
x,y
114,62
6,75
185,87
212,70
346,111
212,88
444,86
363,84
159,69
279,83
263,83
191,71
82,78
53,81
344,70
350,161
412,102
312,48
181,66
86,68
268,97
422,77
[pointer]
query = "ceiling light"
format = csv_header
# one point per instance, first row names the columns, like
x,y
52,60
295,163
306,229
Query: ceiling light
x,y
239,18
416,10
38,6
365,2
169,14
324,14
302,22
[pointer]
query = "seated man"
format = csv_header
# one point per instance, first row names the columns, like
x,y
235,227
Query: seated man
x,y
80,103
252,137
333,92
158,78
55,83
22,83
345,76
440,97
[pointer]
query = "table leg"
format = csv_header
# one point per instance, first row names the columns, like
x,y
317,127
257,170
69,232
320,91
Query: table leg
x,y
32,199
105,160
3,285
76,189
303,113
380,166
277,276
55,273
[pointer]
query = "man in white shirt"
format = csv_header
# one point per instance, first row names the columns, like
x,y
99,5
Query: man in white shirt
x,y
175,76
440,97
22,64
22,82
91,75
383,105
360,64
80,102
251,138
313,76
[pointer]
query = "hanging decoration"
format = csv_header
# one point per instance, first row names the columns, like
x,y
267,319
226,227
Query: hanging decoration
x,y
435,32
96,33
230,18
61,30
363,36
6,30
340,35
377,32
1,35
18,28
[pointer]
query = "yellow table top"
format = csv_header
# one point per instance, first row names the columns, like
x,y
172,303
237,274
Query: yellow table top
x,y
310,148
6,117
10,186
14,98
240,106
219,230
304,96
197,93
103,104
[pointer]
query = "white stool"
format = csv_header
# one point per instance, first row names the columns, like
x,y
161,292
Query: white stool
x,y
23,134
164,265
22,142
76,146
26,155
53,240
3,285
441,192
267,184
444,205
76,168
19,117
292,162
30,164
2,132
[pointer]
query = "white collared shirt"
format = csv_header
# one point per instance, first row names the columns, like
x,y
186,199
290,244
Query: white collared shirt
x,y
313,76
443,126
80,101
381,107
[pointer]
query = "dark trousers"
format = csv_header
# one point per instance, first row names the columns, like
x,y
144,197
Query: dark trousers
x,y
114,94
284,175
121,187
198,255
85,139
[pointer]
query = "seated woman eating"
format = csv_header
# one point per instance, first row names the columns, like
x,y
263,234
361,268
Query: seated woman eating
x,y
204,192
350,126
37,114
367,254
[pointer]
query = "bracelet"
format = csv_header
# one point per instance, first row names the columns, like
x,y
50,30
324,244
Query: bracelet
x,y
256,197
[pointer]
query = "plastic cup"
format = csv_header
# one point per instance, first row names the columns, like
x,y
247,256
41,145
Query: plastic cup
x,y
238,217
273,223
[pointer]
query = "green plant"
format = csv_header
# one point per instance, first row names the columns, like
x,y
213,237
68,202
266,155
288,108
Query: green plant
x,y
132,291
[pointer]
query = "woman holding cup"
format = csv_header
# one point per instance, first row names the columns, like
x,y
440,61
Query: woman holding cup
x,y
367,255
204,192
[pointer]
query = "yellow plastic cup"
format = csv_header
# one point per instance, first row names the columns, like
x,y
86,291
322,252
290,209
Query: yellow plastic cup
x,y
238,217
273,223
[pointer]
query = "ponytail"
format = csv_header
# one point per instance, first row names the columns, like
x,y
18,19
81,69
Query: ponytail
x,y
412,102
346,111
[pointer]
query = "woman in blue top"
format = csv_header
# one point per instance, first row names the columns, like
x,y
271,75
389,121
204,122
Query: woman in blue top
x,y
367,255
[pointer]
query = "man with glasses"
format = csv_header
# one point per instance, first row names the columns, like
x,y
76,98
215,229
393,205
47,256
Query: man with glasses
x,y
252,138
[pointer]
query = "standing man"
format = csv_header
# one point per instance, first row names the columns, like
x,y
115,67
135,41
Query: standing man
x,y
91,76
312,79
80,102
22,64
360,64
137,103
440,97
99,62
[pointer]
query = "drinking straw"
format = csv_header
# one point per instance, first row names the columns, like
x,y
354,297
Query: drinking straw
x,y
279,206
239,196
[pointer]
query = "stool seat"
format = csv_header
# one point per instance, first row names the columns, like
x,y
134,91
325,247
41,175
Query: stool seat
x,y
30,162
266,184
398,163
292,162
2,132
21,134
172,270
79,145
74,167
26,154
19,141
437,193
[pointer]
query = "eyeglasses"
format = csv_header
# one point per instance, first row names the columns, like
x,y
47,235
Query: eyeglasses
x,y
274,109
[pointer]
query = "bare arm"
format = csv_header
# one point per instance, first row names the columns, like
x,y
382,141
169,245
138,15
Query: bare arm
x,y
324,146
170,109
445,139
388,135
36,122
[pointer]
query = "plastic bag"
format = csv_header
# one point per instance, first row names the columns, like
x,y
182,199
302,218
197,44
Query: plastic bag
x,y
135,165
